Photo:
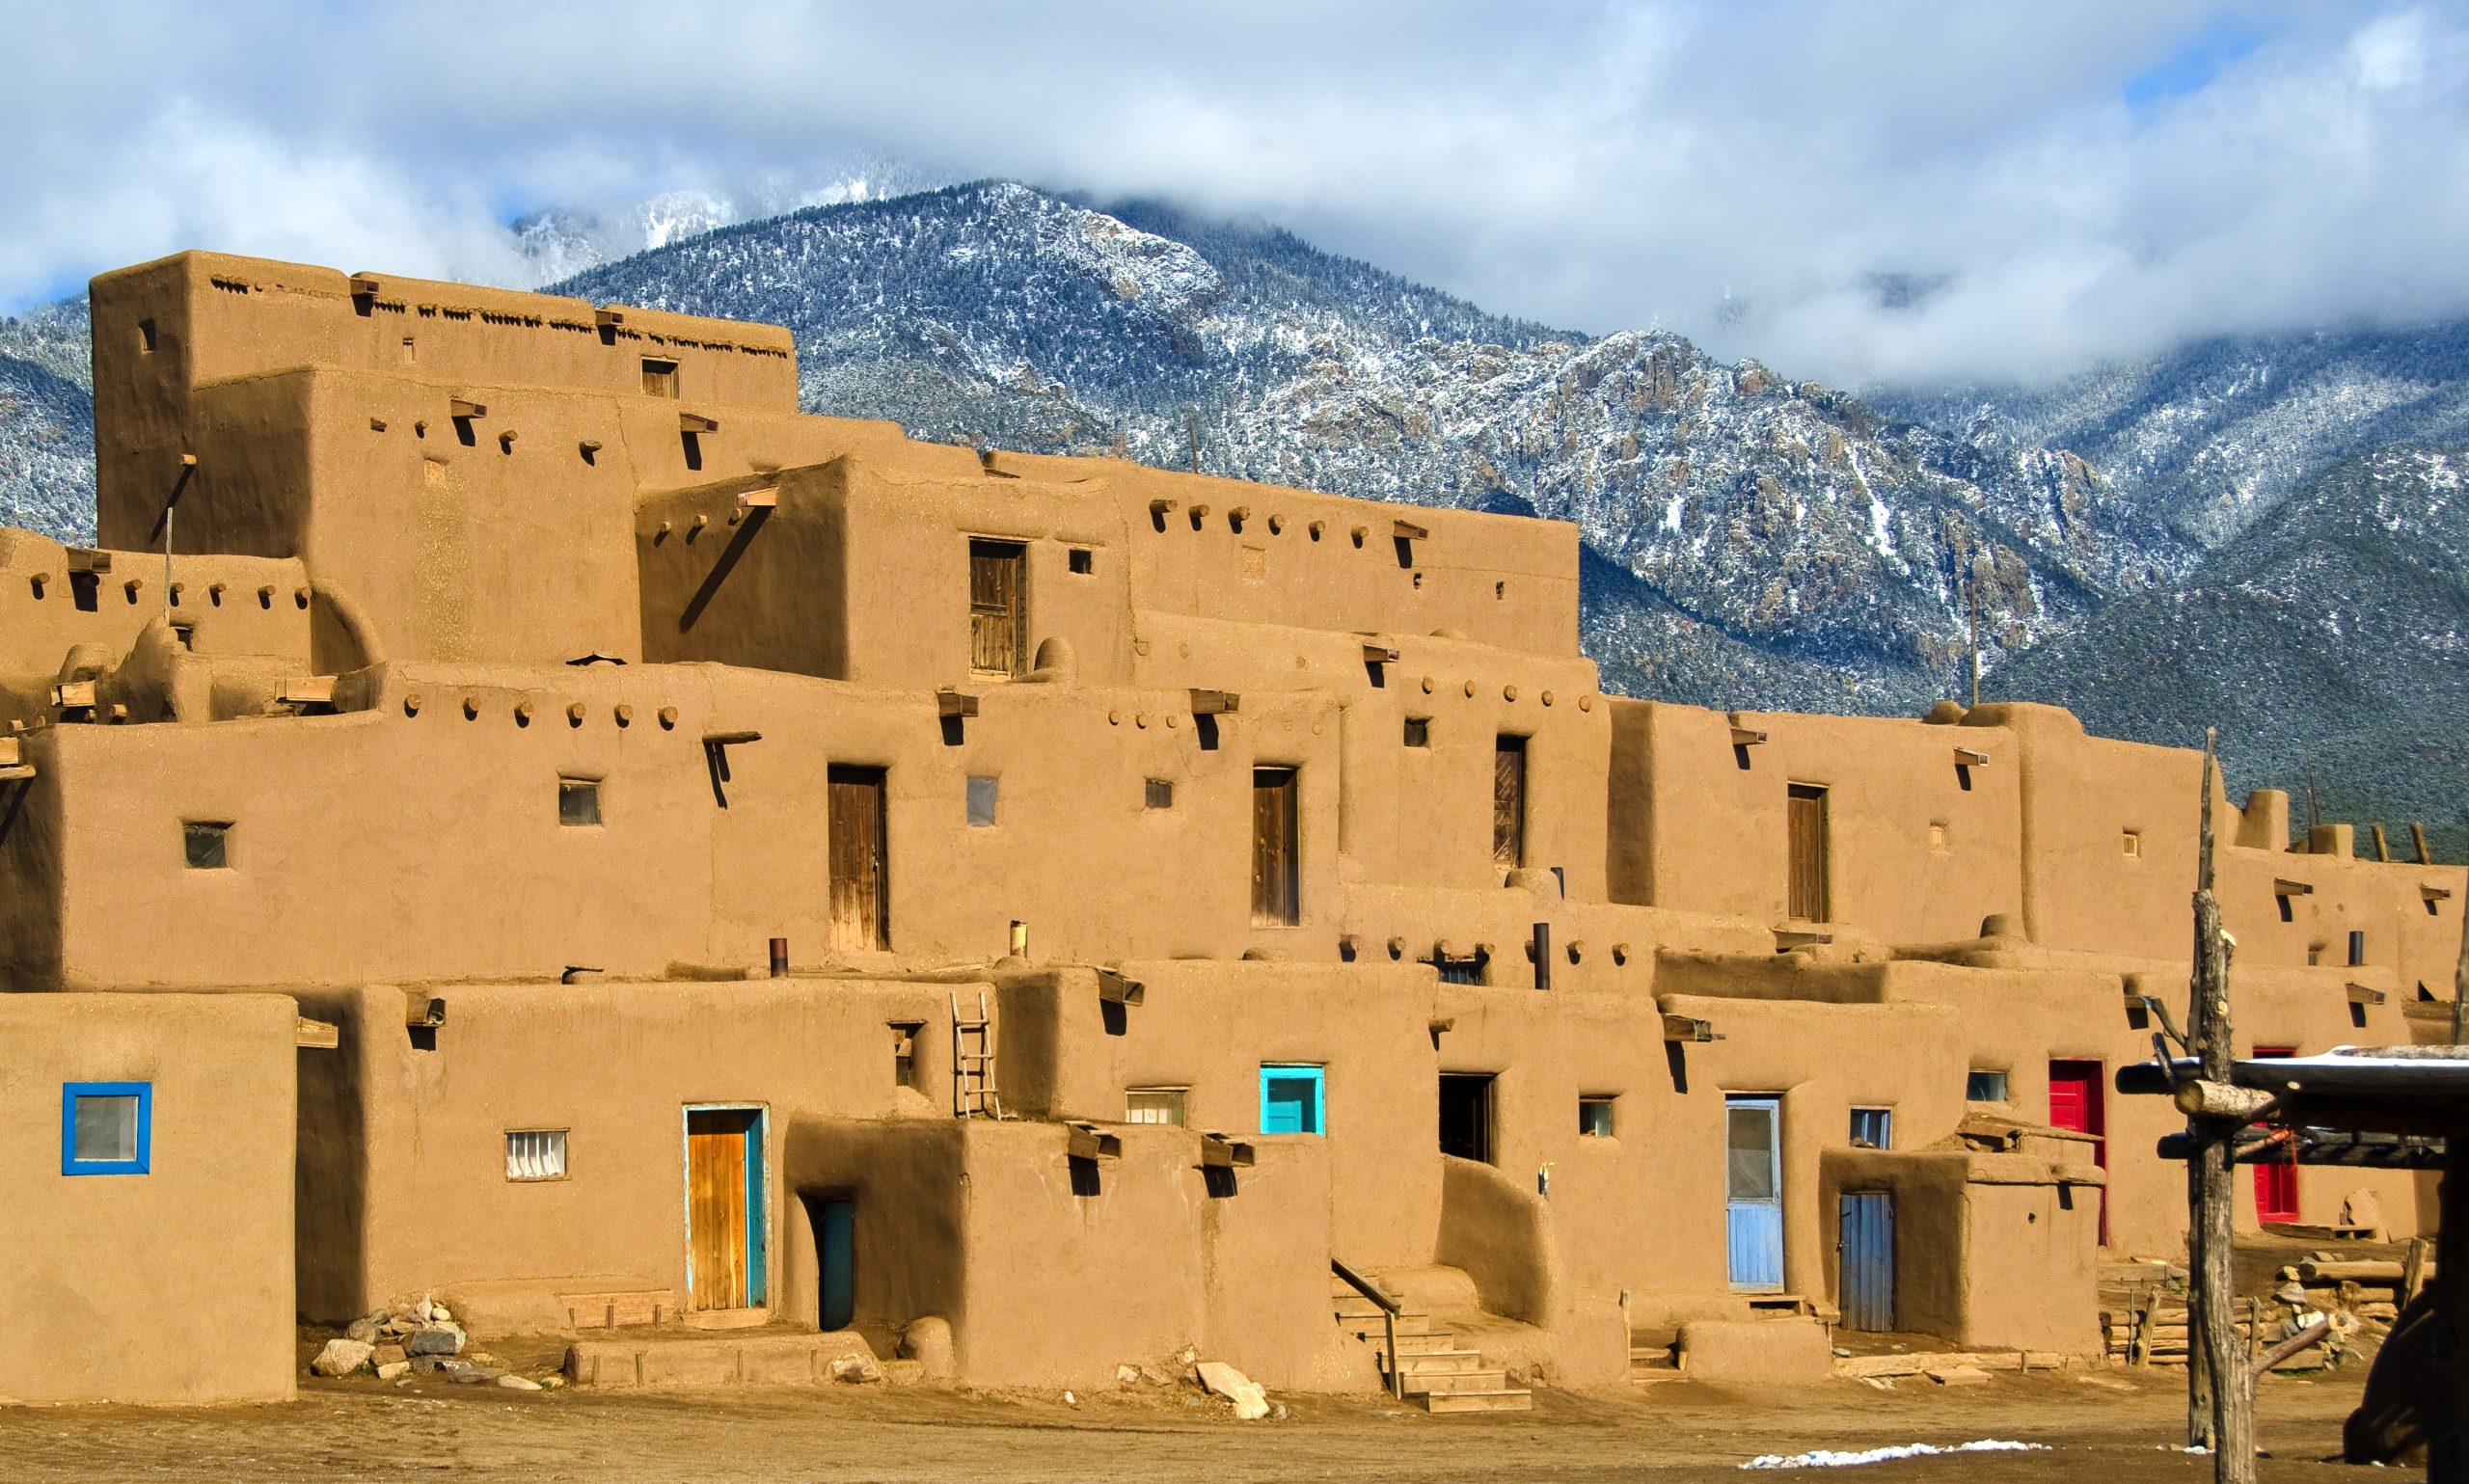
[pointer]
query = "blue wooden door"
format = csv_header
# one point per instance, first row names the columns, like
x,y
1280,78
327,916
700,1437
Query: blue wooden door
x,y
1291,1100
1866,1242
836,1238
1754,1191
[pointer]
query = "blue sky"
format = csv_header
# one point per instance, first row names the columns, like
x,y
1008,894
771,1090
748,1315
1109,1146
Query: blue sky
x,y
2071,182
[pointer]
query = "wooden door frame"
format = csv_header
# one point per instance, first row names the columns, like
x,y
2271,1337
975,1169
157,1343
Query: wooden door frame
x,y
1022,662
1822,795
758,1274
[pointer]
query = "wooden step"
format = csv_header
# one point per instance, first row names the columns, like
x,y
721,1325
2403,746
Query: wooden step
x,y
1355,1306
1435,1363
1417,1341
1493,1379
1507,1399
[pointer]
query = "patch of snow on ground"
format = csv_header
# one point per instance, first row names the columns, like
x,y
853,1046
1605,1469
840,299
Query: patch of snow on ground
x,y
1828,1458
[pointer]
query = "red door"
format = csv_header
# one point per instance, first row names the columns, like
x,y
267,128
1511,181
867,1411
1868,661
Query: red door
x,y
2075,1102
2275,1185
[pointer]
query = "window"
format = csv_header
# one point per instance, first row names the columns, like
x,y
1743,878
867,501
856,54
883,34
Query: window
x,y
411,349
660,377
1508,800
2357,949
1594,1115
207,843
1153,1105
1805,889
1418,731
1985,1087
2133,842
107,1127
1082,560
535,1154
996,608
1462,969
1873,1128
981,801
1937,835
146,336
578,800
903,1052
1161,794
1290,1098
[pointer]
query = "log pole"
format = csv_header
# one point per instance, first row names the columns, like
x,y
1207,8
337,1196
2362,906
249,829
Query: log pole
x,y
2208,1236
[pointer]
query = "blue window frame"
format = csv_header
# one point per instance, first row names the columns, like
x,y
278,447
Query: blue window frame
x,y
107,1127
1873,1128
1291,1098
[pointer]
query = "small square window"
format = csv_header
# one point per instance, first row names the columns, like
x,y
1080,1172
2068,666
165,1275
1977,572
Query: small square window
x,y
535,1154
660,377
186,634
1160,795
1873,1128
1937,835
903,1051
1083,560
2131,842
1153,1105
981,801
207,843
1594,1116
1418,731
1985,1087
107,1127
578,800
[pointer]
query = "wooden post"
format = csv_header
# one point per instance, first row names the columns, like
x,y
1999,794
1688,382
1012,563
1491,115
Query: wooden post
x,y
2460,988
2213,1330
2447,1430
2418,838
2383,846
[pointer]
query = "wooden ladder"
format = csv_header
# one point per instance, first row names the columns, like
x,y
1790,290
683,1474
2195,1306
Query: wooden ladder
x,y
973,1094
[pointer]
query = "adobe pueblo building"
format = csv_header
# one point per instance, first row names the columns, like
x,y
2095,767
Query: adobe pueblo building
x,y
515,811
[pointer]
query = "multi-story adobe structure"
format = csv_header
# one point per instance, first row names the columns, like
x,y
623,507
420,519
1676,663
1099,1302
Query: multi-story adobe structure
x,y
471,687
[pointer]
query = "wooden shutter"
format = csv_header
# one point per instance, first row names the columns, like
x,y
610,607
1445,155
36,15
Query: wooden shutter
x,y
996,573
1807,886
1276,890
1509,802
859,847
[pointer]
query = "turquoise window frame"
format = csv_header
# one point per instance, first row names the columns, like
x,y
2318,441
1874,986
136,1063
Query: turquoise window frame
x,y
1297,1071
142,1164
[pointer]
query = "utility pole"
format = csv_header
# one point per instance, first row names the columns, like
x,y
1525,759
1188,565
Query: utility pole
x,y
2231,1420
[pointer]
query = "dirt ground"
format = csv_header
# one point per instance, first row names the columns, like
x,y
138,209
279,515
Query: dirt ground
x,y
2115,1427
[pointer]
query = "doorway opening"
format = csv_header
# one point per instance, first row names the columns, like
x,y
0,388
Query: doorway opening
x,y
726,1264
1466,1114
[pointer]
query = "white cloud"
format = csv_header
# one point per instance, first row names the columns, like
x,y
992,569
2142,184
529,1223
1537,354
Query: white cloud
x,y
1594,165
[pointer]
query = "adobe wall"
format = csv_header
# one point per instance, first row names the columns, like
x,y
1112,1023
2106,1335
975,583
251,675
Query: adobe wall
x,y
174,1285
1061,1287
408,1158
454,864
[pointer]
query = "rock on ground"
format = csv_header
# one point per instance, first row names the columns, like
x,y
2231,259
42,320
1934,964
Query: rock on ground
x,y
341,1357
1250,1401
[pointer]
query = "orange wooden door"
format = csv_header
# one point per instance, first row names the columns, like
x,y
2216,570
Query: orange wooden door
x,y
1276,886
716,1205
859,868
1808,885
1509,802
2275,1185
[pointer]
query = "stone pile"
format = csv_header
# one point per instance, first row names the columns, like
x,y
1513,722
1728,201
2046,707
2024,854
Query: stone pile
x,y
421,1338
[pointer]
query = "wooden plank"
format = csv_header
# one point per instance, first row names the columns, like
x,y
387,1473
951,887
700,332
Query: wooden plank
x,y
716,1194
1276,896
857,868
2382,845
2418,839
315,1034
1216,703
1509,802
1806,888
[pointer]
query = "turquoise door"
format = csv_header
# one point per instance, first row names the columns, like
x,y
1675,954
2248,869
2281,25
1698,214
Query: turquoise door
x,y
836,1234
1754,1191
1290,1099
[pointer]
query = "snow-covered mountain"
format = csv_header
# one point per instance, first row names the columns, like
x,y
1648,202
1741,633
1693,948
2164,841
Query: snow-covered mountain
x,y
2159,545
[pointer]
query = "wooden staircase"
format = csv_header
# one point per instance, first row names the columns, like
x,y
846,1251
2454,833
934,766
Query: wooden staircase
x,y
1432,1372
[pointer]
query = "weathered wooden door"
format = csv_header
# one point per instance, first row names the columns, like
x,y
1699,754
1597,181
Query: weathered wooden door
x,y
1866,1244
998,606
2275,1185
724,1207
2077,1100
1807,888
1277,900
1754,1191
859,868
1509,802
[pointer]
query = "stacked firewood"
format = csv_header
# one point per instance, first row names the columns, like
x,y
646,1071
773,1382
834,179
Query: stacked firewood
x,y
2358,1299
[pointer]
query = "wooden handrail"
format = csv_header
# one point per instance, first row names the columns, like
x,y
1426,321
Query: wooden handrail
x,y
1389,1311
